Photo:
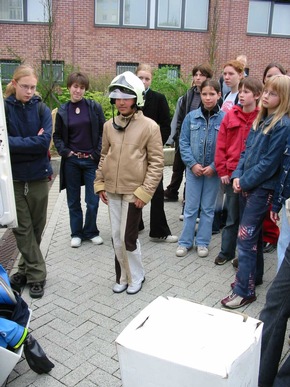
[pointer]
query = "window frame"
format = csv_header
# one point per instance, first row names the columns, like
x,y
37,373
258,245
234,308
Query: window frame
x,y
270,23
131,66
152,17
24,19
171,68
182,19
120,23
4,62
45,63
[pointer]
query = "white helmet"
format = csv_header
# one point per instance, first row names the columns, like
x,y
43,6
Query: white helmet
x,y
127,85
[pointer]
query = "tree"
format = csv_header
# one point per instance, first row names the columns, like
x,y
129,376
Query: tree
x,y
50,44
213,38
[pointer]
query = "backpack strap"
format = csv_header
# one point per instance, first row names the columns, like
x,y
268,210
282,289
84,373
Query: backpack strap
x,y
41,109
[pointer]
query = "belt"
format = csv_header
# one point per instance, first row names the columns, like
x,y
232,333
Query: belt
x,y
81,155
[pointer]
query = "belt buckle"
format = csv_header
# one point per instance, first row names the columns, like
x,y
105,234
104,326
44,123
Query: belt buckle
x,y
79,155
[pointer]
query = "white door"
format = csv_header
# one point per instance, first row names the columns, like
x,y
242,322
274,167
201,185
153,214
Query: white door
x,y
8,216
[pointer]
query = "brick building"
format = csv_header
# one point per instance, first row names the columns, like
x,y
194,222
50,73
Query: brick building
x,y
108,36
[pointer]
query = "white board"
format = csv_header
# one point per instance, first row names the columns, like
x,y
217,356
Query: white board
x,y
8,216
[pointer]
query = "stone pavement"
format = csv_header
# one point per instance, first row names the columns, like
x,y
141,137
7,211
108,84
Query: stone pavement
x,y
79,317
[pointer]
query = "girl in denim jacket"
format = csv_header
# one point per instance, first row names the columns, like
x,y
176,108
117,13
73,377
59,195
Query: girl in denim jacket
x,y
255,178
197,148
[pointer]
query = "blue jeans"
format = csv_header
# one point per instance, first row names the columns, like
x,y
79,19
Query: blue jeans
x,y
78,172
275,315
284,237
200,192
254,205
230,231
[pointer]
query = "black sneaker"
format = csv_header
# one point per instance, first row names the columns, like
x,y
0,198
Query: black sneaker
x,y
169,197
220,261
18,281
269,247
235,263
36,289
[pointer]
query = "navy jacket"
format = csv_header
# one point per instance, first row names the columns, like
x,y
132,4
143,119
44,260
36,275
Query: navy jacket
x,y
259,164
282,190
61,133
28,151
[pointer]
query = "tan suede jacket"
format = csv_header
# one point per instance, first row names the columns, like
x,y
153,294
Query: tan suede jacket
x,y
132,160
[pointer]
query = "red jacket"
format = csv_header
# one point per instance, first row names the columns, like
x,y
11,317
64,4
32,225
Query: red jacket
x,y
231,139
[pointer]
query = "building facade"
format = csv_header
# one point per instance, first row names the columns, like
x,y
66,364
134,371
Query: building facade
x,y
108,36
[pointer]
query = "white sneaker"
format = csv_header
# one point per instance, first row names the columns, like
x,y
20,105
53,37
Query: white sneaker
x,y
135,288
97,240
168,239
181,251
202,251
75,242
119,288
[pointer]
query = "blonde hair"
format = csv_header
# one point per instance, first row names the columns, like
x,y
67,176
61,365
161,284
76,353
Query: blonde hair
x,y
21,71
144,67
280,84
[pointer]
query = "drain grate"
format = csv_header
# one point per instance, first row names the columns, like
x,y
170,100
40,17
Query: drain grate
x,y
8,250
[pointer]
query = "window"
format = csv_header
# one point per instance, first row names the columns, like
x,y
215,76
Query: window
x,y
169,13
7,68
122,12
173,70
124,66
24,10
164,14
57,70
269,17
178,14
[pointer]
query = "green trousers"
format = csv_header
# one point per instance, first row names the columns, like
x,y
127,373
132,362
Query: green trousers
x,y
31,206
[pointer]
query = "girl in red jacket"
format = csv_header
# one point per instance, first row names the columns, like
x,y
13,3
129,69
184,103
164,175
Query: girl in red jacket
x,y
231,141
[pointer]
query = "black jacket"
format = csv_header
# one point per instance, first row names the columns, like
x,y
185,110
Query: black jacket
x,y
61,135
156,108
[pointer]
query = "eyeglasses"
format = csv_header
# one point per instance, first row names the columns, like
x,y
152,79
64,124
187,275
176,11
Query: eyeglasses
x,y
270,93
26,87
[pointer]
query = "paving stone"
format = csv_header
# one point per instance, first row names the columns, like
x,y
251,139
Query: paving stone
x,y
79,318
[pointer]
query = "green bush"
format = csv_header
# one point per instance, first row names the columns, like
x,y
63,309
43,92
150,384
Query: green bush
x,y
98,96
172,88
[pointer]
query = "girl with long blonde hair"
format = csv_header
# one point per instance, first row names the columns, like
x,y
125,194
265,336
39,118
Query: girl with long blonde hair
x,y
29,127
255,179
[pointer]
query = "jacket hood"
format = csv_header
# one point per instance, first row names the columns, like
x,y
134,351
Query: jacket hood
x,y
13,101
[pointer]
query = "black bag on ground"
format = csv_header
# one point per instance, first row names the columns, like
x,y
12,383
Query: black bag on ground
x,y
36,357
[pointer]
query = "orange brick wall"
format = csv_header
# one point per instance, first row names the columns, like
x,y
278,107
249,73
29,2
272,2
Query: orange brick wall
x,y
96,50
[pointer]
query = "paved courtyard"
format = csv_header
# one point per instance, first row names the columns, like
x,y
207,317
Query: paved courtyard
x,y
79,317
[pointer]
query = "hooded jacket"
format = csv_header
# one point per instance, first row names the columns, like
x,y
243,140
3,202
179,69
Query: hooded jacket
x,y
132,159
28,150
231,140
259,165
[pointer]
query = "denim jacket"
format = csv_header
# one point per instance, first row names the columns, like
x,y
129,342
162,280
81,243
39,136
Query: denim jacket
x,y
198,137
259,164
282,191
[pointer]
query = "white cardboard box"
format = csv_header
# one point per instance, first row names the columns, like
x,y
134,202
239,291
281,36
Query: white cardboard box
x,y
9,359
177,343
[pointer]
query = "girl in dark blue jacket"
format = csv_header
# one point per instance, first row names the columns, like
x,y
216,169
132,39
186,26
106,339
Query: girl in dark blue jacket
x,y
281,200
29,127
255,178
